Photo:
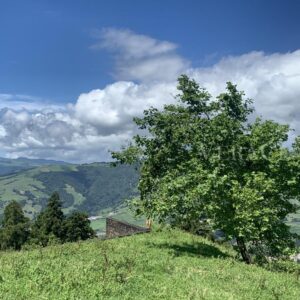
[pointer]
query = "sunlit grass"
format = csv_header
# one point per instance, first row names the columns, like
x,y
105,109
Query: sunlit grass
x,y
161,265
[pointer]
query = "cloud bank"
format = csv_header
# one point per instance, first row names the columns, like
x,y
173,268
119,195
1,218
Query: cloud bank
x,y
146,70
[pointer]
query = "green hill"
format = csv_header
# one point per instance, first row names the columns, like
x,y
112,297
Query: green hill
x,y
161,265
88,187
9,166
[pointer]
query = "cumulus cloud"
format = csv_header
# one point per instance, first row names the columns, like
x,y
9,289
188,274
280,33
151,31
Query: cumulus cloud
x,y
112,108
101,119
140,57
271,80
53,135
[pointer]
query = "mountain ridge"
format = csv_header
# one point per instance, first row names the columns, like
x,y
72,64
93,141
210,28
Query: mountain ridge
x,y
87,187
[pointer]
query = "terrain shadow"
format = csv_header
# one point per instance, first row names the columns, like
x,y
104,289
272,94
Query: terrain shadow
x,y
191,249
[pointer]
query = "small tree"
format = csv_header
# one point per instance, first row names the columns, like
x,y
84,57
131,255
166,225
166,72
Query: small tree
x,y
77,227
203,159
15,227
49,222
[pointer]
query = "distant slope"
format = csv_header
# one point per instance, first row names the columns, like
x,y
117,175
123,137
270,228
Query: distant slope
x,y
88,187
8,166
169,264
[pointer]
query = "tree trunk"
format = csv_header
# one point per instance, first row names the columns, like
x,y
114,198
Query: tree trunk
x,y
243,250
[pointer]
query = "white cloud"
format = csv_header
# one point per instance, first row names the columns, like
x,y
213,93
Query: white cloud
x,y
18,101
130,44
102,119
272,81
140,57
112,108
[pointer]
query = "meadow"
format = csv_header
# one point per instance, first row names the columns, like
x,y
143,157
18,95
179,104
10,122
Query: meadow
x,y
164,264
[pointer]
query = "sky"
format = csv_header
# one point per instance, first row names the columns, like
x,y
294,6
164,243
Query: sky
x,y
73,74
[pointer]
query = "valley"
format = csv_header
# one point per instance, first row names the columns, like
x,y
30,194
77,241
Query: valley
x,y
98,189
92,188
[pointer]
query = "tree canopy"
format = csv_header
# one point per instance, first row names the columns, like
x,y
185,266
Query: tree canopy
x,y
202,158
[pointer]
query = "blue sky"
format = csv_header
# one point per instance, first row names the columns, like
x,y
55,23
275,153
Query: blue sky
x,y
45,44
74,73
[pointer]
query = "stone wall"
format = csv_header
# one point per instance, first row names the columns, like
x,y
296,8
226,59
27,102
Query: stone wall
x,y
116,228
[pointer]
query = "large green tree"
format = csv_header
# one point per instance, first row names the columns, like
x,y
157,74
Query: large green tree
x,y
202,158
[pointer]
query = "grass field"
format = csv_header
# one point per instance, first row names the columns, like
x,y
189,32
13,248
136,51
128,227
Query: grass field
x,y
169,264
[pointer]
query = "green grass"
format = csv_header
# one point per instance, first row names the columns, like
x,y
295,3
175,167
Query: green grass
x,y
161,265
98,225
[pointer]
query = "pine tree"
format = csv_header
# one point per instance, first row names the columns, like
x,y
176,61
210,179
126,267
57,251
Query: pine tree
x,y
49,222
77,227
15,227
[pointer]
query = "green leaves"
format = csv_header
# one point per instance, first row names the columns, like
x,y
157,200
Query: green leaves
x,y
202,158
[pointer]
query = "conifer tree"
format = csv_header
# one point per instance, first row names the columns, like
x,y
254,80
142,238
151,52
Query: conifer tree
x,y
77,227
15,227
49,222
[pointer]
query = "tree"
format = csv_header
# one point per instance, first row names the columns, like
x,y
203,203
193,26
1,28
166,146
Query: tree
x,y
202,159
13,214
77,227
49,222
15,227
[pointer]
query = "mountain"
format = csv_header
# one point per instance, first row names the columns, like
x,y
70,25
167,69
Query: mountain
x,y
87,187
8,166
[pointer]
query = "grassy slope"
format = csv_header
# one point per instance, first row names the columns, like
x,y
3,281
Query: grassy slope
x,y
160,265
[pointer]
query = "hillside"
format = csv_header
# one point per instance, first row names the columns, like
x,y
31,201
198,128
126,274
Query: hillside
x,y
161,265
88,187
9,166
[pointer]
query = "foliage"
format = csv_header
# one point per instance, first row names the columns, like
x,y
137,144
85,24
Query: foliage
x,y
50,221
170,264
203,159
77,227
13,215
15,227
52,227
